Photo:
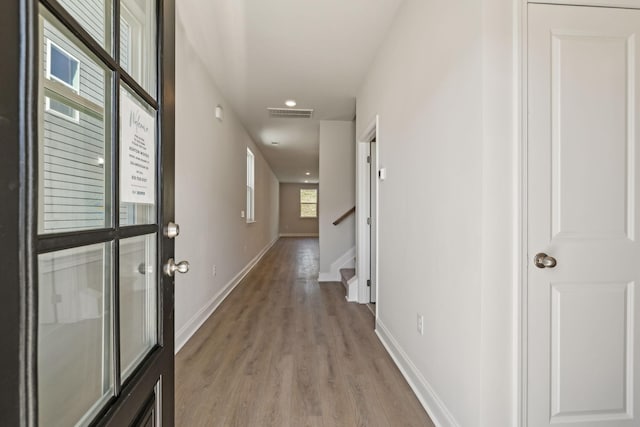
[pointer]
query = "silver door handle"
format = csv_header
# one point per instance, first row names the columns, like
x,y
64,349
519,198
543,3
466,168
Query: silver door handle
x,y
172,230
171,267
543,260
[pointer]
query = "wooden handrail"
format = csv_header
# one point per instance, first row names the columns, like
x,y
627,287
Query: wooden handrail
x,y
344,216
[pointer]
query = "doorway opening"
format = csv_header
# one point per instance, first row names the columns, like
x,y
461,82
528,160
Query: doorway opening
x,y
372,159
367,215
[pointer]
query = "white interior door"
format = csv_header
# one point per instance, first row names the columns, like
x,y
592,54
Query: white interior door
x,y
583,331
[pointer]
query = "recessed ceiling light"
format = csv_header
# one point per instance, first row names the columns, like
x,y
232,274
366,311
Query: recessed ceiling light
x,y
290,103
306,181
307,173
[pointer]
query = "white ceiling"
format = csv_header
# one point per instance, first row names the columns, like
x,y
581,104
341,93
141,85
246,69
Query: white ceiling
x,y
263,52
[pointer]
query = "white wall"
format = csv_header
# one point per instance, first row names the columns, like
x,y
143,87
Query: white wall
x,y
211,192
442,85
499,399
337,191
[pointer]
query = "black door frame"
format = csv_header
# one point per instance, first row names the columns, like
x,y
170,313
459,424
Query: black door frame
x,y
17,354
19,40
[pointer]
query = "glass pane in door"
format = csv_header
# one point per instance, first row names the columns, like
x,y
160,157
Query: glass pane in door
x,y
94,16
75,375
138,42
74,130
138,300
137,160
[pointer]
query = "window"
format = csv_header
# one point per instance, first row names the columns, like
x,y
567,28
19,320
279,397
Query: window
x,y
308,203
250,186
138,41
62,109
65,69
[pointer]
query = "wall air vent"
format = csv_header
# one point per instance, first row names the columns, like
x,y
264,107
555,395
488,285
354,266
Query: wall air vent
x,y
290,113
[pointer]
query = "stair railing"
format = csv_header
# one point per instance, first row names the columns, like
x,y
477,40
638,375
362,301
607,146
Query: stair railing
x,y
344,216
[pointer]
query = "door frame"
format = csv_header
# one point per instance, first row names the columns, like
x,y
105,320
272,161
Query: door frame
x,y
18,218
522,185
373,194
16,229
362,212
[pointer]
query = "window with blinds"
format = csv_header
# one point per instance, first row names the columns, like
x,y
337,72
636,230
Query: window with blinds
x,y
308,203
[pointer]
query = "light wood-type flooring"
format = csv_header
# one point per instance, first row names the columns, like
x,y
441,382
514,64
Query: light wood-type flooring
x,y
283,350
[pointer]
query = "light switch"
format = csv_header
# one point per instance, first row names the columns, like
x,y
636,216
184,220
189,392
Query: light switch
x,y
382,173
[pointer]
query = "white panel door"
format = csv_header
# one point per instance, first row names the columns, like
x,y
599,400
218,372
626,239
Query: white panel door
x,y
583,331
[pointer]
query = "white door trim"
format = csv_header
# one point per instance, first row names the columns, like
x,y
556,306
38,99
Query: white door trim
x,y
520,267
362,210
521,239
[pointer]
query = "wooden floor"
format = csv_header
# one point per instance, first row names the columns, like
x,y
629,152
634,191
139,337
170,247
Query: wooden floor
x,y
283,350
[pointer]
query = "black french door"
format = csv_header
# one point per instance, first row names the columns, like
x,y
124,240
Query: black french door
x,y
87,187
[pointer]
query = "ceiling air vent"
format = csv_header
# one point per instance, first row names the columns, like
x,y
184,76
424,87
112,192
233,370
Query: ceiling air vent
x,y
290,113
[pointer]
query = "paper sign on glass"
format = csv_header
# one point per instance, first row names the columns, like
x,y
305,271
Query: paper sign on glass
x,y
137,153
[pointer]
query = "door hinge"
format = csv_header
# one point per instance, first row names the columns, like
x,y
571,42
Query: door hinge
x,y
368,221
369,283
368,159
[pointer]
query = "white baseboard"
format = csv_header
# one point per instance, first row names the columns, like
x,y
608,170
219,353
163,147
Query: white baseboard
x,y
427,396
299,235
201,316
328,277
346,260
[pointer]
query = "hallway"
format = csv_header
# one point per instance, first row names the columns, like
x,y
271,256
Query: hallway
x,y
282,350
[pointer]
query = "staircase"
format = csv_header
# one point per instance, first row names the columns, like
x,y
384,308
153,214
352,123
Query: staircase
x,y
350,282
343,267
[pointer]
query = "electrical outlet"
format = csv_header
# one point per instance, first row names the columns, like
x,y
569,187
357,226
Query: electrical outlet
x,y
241,214
420,324
213,271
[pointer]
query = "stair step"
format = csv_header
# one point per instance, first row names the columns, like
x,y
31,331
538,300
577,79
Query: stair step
x,y
347,274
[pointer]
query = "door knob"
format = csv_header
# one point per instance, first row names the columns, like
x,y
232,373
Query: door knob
x,y
172,230
543,260
171,267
